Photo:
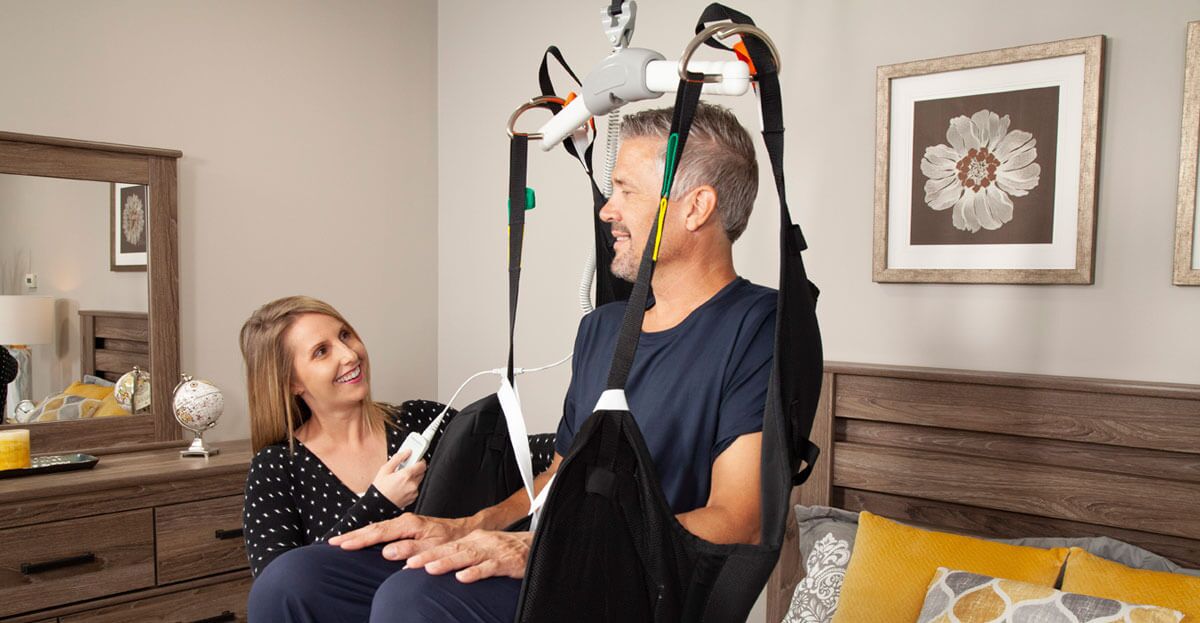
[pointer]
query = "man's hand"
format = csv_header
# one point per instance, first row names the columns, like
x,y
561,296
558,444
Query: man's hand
x,y
409,534
479,555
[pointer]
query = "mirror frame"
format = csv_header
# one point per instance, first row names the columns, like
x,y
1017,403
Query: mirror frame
x,y
44,156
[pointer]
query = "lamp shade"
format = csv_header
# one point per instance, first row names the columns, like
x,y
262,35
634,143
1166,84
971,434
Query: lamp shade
x,y
26,319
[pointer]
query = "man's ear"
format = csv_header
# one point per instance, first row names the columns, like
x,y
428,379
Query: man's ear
x,y
701,207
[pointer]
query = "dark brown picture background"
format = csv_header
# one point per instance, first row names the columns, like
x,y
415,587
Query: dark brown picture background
x,y
1032,110
125,246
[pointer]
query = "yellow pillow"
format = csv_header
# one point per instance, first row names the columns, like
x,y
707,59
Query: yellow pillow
x,y
1096,576
88,391
892,565
110,408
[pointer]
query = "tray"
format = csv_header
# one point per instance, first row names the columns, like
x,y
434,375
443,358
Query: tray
x,y
51,463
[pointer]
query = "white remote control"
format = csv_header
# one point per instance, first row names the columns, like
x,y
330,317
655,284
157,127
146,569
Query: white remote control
x,y
418,444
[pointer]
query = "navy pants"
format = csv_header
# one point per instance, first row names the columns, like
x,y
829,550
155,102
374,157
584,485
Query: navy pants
x,y
320,583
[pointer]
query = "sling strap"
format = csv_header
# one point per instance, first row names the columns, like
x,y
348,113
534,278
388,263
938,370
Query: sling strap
x,y
610,547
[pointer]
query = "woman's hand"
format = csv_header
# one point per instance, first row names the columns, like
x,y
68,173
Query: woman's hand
x,y
399,485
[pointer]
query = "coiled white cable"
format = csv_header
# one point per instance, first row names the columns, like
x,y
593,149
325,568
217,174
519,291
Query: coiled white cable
x,y
611,141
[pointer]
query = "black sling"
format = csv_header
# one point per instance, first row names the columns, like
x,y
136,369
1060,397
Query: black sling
x,y
608,547
476,465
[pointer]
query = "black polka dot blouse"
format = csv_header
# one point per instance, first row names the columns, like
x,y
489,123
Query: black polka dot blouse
x,y
294,499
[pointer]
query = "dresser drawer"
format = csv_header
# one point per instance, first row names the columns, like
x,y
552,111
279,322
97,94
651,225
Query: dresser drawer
x,y
196,539
215,603
67,561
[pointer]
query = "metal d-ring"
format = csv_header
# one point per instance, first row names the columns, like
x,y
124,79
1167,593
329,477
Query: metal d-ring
x,y
538,102
723,31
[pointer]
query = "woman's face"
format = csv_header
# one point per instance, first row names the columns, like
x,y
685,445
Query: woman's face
x,y
329,363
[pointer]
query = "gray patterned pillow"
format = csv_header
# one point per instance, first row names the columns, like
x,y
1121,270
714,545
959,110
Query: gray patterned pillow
x,y
971,598
826,538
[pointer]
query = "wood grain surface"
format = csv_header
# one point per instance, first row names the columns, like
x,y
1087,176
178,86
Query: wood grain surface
x,y
186,540
123,546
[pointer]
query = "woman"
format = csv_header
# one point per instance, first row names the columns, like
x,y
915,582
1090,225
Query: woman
x,y
326,454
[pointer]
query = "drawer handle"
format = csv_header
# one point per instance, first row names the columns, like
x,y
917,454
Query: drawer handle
x,y
230,534
220,618
30,568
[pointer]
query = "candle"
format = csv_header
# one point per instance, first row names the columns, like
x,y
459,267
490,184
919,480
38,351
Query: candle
x,y
14,449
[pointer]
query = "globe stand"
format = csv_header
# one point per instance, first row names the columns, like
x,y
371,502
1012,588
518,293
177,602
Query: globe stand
x,y
199,449
197,404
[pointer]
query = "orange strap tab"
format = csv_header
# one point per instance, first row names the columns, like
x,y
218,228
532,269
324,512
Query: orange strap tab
x,y
739,48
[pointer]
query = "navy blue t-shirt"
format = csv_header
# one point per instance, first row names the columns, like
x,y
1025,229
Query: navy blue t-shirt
x,y
693,389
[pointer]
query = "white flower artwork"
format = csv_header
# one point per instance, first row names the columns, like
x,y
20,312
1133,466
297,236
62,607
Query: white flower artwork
x,y
979,172
133,219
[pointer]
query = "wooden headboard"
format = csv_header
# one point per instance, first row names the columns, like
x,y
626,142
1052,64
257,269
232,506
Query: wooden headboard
x,y
1005,455
113,343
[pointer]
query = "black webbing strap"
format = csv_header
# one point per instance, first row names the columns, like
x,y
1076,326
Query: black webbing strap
x,y
517,173
686,101
608,287
547,87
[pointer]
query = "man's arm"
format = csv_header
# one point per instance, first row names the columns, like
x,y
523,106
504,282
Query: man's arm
x,y
733,513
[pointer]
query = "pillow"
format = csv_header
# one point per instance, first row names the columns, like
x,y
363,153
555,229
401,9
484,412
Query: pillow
x,y
826,538
63,407
109,407
961,597
95,380
1108,548
892,565
85,390
1095,576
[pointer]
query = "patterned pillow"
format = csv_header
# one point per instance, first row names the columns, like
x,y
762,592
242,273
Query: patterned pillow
x,y
826,538
961,597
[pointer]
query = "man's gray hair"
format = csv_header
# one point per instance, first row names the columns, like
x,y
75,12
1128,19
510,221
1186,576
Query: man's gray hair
x,y
718,152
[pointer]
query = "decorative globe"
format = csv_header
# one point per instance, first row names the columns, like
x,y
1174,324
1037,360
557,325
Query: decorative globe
x,y
198,405
132,391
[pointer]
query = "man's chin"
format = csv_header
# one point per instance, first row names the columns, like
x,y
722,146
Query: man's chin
x,y
624,274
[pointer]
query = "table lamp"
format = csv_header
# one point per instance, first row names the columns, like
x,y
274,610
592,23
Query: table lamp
x,y
24,320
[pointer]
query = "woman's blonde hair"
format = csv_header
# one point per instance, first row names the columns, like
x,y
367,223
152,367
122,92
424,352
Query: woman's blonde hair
x,y
275,411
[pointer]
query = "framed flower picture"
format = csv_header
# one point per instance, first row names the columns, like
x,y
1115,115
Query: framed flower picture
x,y
129,220
985,166
1187,228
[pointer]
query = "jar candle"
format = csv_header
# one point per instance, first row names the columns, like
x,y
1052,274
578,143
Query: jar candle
x,y
14,449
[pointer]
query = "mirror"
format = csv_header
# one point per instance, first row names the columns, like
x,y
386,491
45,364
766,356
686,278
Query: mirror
x,y
56,240
94,224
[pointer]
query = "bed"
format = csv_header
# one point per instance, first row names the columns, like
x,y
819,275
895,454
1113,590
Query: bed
x,y
1007,456
113,343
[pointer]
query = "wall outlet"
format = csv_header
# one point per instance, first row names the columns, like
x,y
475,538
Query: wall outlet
x,y
31,281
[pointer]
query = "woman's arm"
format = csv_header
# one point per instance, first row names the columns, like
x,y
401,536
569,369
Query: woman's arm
x,y
269,514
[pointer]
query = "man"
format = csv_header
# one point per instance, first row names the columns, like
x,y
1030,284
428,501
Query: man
x,y
697,389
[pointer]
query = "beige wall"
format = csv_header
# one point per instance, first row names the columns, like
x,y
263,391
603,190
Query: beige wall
x,y
59,230
1131,324
308,137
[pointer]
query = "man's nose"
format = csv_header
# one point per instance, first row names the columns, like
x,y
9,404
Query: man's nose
x,y
608,213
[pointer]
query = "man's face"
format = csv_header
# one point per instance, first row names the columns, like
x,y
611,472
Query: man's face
x,y
637,185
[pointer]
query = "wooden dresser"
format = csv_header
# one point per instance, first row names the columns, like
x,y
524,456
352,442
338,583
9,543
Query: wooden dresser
x,y
144,536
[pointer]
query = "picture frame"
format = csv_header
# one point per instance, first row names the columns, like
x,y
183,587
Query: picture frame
x,y
129,212
1187,229
986,164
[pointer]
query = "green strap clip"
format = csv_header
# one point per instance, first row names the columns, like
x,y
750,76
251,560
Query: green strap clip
x,y
530,202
